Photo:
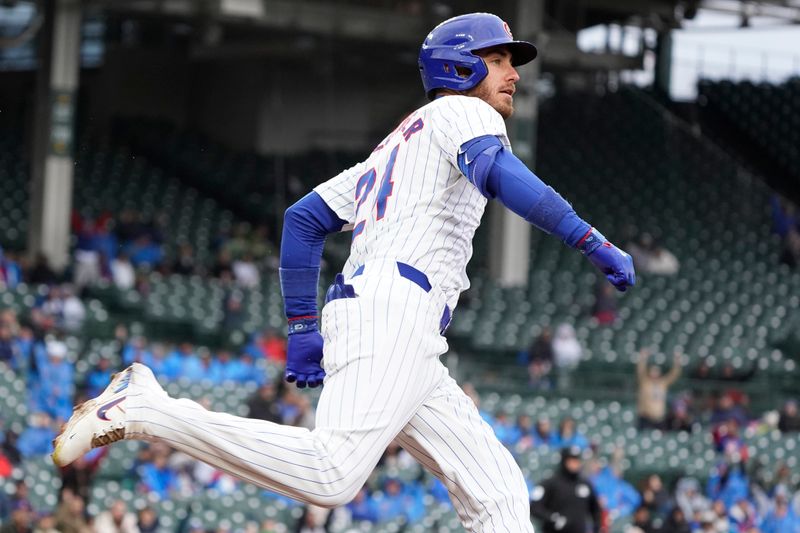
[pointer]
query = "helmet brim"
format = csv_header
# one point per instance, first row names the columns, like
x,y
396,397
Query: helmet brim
x,y
521,51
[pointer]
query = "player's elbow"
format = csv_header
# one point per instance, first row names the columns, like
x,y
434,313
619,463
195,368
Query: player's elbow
x,y
292,214
296,222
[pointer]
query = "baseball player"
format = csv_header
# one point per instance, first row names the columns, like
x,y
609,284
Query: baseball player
x,y
413,206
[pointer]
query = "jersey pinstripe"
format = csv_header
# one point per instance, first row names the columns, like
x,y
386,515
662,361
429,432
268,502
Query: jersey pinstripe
x,y
429,217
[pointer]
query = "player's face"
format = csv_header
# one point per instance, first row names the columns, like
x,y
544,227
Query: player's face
x,y
498,87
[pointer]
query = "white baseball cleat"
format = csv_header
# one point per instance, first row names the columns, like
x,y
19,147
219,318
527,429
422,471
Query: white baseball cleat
x,y
95,422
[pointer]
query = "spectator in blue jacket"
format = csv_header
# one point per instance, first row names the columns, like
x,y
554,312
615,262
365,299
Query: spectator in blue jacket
x,y
568,435
137,351
619,497
244,370
361,508
143,252
543,434
9,351
157,478
36,439
52,386
388,505
98,378
506,431
414,496
10,271
781,519
200,367
398,501
158,360
225,368
437,489
784,216
728,483
23,341
179,360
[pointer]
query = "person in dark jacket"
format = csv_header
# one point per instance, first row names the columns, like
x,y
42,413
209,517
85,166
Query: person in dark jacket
x,y
676,522
566,502
264,405
642,521
789,417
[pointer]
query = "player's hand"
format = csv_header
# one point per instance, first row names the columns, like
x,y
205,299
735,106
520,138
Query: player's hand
x,y
304,353
610,260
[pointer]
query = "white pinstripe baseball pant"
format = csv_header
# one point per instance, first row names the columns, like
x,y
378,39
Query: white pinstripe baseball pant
x,y
384,380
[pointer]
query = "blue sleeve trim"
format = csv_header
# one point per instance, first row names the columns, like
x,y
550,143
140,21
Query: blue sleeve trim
x,y
475,160
305,226
497,173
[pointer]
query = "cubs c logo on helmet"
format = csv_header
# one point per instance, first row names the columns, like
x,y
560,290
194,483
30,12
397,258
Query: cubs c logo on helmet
x,y
508,30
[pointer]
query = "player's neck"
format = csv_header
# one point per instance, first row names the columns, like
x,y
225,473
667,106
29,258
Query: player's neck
x,y
447,92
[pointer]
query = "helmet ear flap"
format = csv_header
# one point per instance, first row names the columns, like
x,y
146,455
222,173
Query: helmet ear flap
x,y
463,72
477,71
457,70
459,74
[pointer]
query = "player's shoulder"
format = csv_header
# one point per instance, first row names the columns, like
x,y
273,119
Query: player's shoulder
x,y
459,105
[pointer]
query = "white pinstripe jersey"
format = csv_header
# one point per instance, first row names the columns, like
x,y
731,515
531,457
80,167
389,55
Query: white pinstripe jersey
x,y
409,201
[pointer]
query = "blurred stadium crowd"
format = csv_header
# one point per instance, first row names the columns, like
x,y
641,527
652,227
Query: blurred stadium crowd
x,y
178,280
739,495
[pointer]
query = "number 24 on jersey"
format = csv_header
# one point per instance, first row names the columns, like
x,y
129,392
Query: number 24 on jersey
x,y
366,183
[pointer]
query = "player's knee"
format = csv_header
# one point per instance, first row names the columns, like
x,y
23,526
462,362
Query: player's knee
x,y
340,485
337,495
351,493
327,503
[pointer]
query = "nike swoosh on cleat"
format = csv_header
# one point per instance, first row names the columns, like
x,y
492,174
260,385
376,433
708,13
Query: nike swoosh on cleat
x,y
101,412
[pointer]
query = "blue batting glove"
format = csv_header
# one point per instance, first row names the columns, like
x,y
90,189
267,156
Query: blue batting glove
x,y
339,289
610,260
304,353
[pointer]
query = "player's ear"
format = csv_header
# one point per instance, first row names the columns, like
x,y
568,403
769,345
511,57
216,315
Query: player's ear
x,y
464,72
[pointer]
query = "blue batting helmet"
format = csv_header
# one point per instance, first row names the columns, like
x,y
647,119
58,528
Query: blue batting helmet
x,y
451,44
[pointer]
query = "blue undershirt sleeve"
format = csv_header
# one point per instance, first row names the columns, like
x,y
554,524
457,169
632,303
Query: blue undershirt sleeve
x,y
306,224
497,173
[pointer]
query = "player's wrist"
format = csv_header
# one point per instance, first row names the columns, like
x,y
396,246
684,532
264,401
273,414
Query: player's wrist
x,y
299,288
571,229
303,324
590,241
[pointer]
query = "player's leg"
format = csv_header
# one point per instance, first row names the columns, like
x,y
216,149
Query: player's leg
x,y
134,406
381,358
448,437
